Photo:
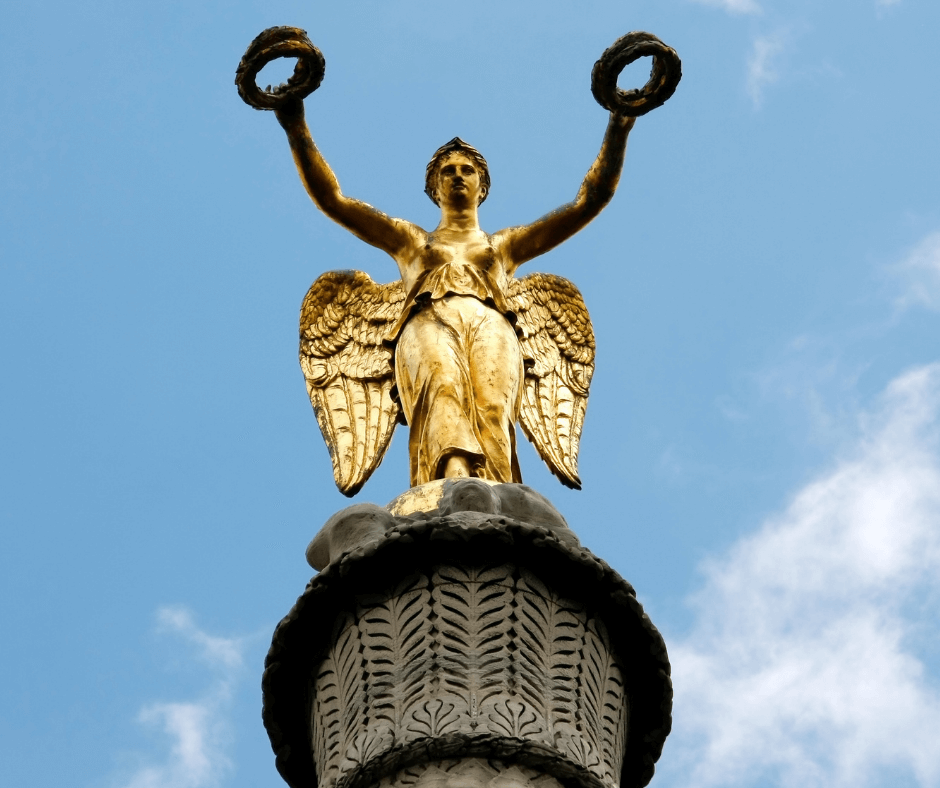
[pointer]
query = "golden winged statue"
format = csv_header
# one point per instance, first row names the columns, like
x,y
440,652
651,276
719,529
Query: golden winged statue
x,y
459,348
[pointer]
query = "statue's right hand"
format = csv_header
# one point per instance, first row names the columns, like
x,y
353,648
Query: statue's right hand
x,y
290,113
275,42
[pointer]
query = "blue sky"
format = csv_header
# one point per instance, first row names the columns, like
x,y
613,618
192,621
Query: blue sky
x,y
761,456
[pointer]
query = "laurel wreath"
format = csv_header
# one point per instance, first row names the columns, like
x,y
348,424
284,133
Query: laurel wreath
x,y
664,75
273,43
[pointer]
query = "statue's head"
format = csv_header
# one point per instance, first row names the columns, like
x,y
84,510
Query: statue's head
x,y
455,146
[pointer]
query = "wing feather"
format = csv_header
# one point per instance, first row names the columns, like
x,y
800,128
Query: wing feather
x,y
343,321
558,342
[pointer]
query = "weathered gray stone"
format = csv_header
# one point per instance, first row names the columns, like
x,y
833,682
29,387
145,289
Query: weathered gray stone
x,y
471,495
446,637
476,649
364,523
469,773
346,530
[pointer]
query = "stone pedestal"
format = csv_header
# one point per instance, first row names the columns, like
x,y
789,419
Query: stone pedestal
x,y
476,644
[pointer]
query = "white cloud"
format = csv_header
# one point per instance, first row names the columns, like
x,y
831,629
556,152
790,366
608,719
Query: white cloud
x,y
762,65
218,652
196,757
805,667
920,272
734,6
197,731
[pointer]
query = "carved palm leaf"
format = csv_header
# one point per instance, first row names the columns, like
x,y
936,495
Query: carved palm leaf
x,y
397,647
558,345
343,320
471,606
613,716
336,693
595,656
550,631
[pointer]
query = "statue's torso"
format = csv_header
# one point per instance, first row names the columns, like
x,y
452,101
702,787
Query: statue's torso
x,y
441,264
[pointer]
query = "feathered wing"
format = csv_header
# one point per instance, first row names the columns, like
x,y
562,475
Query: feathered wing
x,y
558,345
343,320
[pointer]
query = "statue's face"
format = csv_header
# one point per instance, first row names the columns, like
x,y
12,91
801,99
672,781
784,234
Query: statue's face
x,y
458,181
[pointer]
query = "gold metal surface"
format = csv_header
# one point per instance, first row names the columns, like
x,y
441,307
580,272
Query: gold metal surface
x,y
459,348
423,498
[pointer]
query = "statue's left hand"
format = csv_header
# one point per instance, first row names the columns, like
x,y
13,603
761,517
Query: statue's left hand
x,y
626,122
664,77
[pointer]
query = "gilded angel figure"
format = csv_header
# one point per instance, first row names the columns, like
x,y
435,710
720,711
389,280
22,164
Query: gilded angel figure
x,y
459,348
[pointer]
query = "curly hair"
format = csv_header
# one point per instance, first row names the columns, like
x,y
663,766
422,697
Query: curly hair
x,y
456,145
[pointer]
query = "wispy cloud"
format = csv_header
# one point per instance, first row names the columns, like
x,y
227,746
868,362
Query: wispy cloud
x,y
805,665
217,652
197,734
920,274
763,65
734,6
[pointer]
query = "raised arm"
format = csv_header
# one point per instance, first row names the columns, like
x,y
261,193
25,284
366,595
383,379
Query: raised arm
x,y
361,219
528,241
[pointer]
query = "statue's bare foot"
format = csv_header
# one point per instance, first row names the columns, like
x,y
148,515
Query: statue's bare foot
x,y
457,467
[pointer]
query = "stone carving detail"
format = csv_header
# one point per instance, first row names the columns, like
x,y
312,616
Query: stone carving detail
x,y
468,650
468,773
391,656
364,523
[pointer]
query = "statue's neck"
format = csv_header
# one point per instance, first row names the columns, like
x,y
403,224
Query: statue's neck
x,y
459,219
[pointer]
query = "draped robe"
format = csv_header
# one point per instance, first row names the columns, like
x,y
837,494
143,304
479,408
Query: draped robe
x,y
458,364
